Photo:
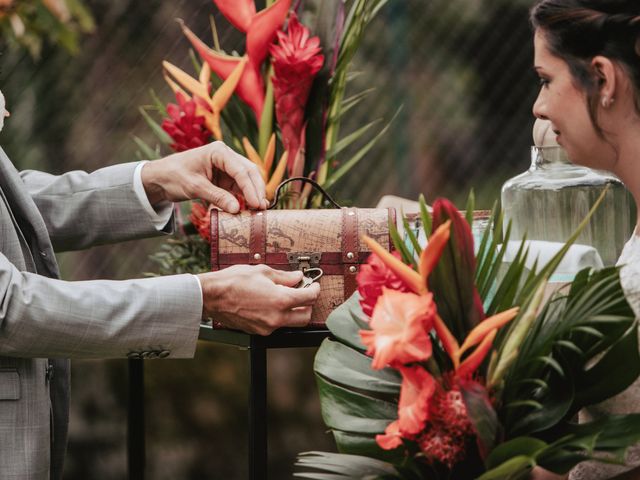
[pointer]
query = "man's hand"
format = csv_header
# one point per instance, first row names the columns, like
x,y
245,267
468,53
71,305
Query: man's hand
x,y
257,299
213,173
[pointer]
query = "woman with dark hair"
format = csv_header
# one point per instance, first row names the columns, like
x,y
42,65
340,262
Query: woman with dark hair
x,y
587,55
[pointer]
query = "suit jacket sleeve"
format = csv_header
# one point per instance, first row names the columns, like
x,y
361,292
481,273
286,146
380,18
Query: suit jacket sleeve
x,y
45,317
83,209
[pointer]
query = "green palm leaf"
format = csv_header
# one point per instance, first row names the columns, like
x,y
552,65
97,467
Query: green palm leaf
x,y
340,467
572,330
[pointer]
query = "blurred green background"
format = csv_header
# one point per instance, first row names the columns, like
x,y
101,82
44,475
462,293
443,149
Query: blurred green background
x,y
461,70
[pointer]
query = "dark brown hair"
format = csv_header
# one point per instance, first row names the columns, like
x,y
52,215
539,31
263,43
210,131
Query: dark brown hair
x,y
578,30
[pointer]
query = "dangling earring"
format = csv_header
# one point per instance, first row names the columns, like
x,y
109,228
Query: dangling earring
x,y
606,103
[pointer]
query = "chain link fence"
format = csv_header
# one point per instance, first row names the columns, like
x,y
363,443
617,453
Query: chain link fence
x,y
457,76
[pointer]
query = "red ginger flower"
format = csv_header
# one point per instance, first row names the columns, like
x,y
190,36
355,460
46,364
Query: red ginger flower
x,y
186,129
449,429
296,60
399,329
372,277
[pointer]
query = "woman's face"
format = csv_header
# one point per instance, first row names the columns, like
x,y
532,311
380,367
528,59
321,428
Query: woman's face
x,y
563,103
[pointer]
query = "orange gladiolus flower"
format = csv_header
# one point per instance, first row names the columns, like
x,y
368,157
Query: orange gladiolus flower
x,y
372,277
418,386
392,438
399,329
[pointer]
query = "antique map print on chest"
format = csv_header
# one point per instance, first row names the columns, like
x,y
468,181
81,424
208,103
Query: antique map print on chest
x,y
284,239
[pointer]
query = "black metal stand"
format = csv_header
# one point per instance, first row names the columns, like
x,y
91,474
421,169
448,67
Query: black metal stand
x,y
257,347
135,421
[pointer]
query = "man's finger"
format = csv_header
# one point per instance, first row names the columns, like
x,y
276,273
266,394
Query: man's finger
x,y
298,317
221,198
285,278
300,297
239,168
259,186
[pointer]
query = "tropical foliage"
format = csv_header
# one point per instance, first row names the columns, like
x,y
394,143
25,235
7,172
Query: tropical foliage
x,y
280,104
29,23
446,364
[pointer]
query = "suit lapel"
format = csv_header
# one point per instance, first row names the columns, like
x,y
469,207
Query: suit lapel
x,y
27,217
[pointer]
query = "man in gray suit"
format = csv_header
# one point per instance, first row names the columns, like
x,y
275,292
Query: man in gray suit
x,y
44,321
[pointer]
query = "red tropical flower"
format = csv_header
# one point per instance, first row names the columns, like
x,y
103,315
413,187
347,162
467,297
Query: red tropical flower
x,y
448,430
372,277
399,329
201,218
186,129
296,60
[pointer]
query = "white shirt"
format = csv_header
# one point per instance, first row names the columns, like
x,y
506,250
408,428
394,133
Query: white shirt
x,y
160,213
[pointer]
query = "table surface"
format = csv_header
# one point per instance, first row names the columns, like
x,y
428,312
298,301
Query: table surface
x,y
283,338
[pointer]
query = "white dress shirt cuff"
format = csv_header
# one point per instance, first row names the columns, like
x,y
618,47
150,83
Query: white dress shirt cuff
x,y
200,285
159,213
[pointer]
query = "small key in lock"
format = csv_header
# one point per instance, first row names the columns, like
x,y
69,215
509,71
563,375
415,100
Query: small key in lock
x,y
310,276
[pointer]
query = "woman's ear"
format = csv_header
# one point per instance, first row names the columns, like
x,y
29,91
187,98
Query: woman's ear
x,y
605,71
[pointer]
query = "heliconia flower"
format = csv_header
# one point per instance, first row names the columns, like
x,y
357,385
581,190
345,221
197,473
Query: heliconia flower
x,y
400,328
260,27
372,277
261,30
415,281
483,334
250,86
265,164
392,438
208,107
296,60
418,386
238,12
184,126
201,218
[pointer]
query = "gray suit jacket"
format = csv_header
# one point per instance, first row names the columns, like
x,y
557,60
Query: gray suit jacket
x,y
44,318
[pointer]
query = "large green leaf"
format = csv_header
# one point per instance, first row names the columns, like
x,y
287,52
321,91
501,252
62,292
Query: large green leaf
x,y
516,468
341,467
518,447
482,415
348,367
345,322
361,444
349,411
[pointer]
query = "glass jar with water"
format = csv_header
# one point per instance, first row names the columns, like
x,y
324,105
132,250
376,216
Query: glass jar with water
x,y
549,201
